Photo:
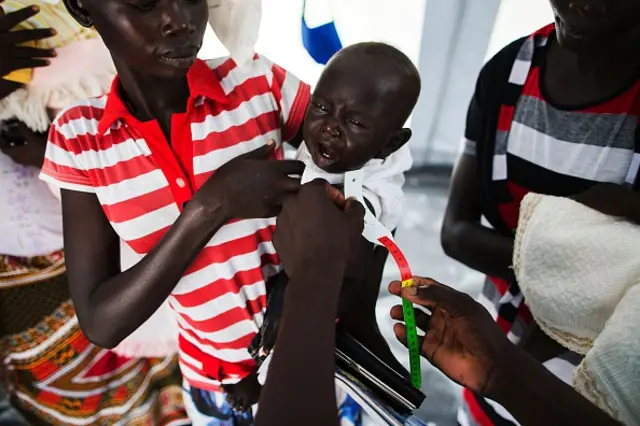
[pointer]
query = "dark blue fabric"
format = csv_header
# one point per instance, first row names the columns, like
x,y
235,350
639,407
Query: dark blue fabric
x,y
321,42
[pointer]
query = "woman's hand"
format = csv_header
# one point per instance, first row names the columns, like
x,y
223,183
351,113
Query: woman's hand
x,y
251,186
28,153
14,57
612,200
317,224
461,339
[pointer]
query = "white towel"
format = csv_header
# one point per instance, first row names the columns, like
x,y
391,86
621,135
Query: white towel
x,y
580,275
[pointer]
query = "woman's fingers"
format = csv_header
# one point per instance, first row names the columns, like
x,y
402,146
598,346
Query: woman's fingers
x,y
395,288
400,330
21,36
28,52
422,319
20,64
11,19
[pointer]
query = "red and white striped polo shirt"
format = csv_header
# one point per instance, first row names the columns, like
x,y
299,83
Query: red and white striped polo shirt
x,y
143,181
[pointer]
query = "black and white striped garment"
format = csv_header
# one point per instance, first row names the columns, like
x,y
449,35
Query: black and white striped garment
x,y
525,143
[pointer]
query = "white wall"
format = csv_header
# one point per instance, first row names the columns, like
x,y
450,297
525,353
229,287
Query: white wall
x,y
517,18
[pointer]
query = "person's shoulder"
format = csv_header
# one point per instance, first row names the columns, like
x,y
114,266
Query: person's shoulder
x,y
503,60
256,66
225,65
79,120
505,56
90,109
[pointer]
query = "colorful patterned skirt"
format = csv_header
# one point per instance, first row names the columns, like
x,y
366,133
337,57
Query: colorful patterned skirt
x,y
54,376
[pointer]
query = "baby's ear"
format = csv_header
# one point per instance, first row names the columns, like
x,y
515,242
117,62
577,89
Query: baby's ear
x,y
396,141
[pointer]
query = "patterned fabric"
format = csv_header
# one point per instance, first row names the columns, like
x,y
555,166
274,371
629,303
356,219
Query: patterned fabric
x,y
18,271
56,377
207,408
143,183
525,143
31,215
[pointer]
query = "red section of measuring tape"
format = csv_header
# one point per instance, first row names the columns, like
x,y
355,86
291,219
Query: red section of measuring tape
x,y
398,257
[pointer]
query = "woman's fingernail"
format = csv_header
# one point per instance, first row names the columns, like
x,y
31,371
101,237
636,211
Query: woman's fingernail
x,y
411,291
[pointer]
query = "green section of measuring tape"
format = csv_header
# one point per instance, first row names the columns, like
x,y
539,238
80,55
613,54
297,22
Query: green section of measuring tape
x,y
412,339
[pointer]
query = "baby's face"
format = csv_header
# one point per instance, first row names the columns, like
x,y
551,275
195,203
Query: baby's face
x,y
347,121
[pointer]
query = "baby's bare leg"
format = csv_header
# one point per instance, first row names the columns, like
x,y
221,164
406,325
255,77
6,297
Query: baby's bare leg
x,y
244,394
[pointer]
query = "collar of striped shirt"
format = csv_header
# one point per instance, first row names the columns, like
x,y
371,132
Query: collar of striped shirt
x,y
201,80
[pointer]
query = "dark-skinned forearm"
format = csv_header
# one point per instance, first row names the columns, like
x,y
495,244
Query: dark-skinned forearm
x,y
301,374
534,396
128,299
479,248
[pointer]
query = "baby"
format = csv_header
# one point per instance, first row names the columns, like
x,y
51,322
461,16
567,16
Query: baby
x,y
355,117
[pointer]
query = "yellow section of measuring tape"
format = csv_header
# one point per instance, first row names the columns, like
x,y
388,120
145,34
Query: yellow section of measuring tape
x,y
407,283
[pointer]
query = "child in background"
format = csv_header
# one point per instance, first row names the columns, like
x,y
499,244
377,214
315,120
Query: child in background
x,y
354,120
174,161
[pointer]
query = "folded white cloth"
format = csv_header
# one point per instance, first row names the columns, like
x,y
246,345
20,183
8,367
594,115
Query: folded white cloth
x,y
236,23
382,182
579,272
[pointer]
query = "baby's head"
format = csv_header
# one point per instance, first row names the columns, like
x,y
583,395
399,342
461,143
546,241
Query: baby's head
x,y
359,107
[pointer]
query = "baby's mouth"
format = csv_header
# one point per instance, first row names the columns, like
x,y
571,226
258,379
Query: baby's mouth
x,y
325,155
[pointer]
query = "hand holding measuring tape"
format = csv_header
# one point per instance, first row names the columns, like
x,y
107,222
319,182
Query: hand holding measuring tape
x,y
376,233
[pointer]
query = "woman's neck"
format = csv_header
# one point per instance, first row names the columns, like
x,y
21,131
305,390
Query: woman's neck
x,y
573,79
150,97
617,59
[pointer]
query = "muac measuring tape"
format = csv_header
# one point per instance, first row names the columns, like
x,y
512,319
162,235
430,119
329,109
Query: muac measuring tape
x,y
376,233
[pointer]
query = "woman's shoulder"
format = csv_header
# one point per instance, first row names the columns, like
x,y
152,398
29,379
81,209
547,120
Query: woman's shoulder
x,y
231,74
80,120
499,66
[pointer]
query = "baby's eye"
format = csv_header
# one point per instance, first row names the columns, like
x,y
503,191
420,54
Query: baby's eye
x,y
144,5
321,107
356,123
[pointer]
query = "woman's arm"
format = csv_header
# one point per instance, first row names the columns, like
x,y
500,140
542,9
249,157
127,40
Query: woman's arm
x,y
314,239
301,376
612,200
534,396
463,236
111,304
462,340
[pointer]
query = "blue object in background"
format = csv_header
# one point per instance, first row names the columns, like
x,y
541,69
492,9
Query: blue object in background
x,y
321,42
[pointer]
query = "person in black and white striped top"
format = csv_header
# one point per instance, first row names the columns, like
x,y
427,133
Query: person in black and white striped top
x,y
555,113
